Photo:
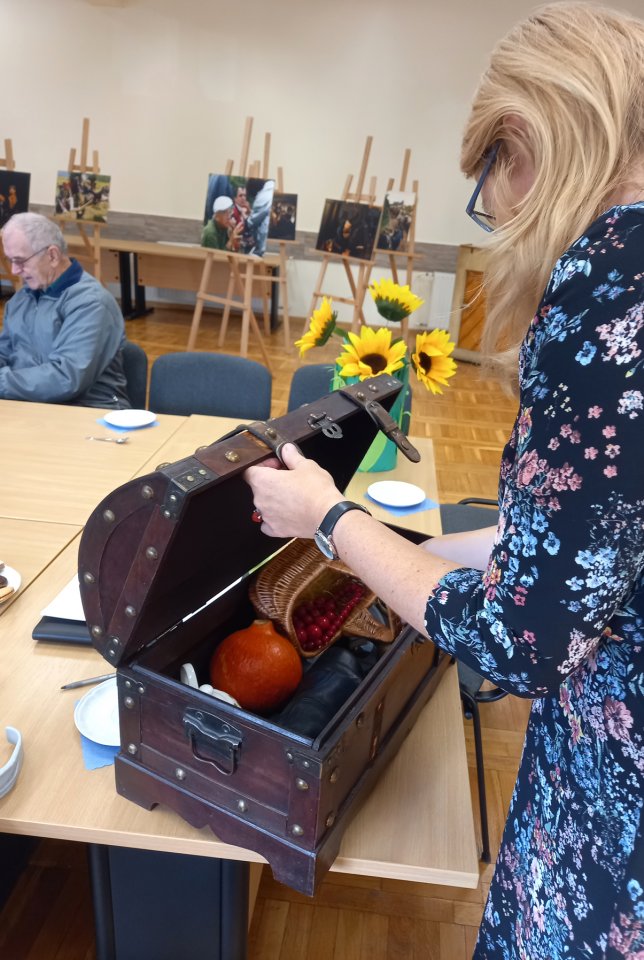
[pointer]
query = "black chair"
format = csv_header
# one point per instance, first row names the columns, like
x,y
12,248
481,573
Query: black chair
x,y
215,384
135,367
313,381
474,513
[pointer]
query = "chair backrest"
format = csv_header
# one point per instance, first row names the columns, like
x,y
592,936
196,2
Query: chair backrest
x,y
135,367
309,383
215,384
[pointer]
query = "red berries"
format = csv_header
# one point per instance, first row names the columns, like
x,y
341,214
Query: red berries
x,y
318,621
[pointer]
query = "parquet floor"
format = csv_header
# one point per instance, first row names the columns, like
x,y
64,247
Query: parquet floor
x,y
351,918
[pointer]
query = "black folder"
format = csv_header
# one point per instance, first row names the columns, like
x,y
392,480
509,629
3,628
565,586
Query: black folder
x,y
58,630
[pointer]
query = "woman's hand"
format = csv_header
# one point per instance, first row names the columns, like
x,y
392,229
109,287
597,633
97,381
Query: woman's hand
x,y
292,502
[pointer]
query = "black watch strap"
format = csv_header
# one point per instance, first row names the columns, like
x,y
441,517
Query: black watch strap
x,y
323,534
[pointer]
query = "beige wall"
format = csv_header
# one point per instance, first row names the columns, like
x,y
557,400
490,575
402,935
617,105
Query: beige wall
x,y
168,83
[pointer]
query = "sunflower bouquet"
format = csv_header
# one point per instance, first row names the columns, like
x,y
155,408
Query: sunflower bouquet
x,y
374,351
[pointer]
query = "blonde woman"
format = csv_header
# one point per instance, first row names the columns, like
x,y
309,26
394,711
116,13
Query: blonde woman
x,y
551,604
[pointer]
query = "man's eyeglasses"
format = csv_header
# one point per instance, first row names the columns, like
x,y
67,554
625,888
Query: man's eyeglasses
x,y
484,220
21,261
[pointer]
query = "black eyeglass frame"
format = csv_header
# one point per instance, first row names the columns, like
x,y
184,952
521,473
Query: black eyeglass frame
x,y
478,216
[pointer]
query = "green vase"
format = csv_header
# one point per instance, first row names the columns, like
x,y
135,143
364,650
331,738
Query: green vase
x,y
383,453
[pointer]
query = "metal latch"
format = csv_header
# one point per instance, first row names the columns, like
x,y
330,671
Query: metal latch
x,y
213,740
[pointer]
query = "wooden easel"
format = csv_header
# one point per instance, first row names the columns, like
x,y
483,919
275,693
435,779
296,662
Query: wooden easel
x,y
92,247
409,254
358,286
7,163
244,270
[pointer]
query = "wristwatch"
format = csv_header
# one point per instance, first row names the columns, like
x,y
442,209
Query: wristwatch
x,y
322,536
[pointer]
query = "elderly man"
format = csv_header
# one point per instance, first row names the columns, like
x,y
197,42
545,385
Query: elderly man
x,y
221,232
63,332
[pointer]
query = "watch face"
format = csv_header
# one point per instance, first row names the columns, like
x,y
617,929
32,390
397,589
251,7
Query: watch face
x,y
324,545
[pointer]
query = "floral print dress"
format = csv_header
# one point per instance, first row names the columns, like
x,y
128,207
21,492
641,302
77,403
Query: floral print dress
x,y
558,615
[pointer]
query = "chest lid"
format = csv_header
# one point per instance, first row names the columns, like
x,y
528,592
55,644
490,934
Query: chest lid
x,y
161,546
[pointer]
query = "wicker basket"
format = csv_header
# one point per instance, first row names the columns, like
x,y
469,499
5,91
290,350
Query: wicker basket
x,y
300,573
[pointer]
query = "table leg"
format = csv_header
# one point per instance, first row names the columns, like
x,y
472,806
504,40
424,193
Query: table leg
x,y
164,906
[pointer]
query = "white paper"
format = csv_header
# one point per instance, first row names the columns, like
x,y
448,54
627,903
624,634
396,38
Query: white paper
x,y
67,605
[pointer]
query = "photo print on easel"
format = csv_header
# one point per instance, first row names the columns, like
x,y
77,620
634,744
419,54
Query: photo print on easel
x,y
82,196
14,194
237,214
349,229
397,218
283,217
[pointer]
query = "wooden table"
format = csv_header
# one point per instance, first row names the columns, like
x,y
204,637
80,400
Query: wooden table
x,y
49,470
417,824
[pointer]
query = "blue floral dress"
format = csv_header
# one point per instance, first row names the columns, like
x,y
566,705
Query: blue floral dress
x,y
558,615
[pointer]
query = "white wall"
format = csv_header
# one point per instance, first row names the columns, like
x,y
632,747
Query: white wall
x,y
168,84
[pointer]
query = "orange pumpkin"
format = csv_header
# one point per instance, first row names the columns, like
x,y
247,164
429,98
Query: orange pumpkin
x,y
257,666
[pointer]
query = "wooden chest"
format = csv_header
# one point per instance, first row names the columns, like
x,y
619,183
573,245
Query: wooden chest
x,y
165,564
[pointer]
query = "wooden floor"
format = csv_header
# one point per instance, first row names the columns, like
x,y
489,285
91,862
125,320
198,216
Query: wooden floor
x,y
49,917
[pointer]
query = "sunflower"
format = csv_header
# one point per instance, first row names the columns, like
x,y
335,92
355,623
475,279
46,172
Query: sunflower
x,y
371,353
394,302
432,361
321,327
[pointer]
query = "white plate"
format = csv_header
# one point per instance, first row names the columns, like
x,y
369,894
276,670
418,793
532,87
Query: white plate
x,y
130,419
13,580
97,714
396,493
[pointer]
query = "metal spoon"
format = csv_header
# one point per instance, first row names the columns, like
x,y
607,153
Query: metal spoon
x,y
109,439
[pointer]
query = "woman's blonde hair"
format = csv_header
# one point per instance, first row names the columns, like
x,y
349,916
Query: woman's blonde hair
x,y
568,85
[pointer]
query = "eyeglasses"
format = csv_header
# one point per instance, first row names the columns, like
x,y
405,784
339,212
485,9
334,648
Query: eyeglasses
x,y
484,220
21,261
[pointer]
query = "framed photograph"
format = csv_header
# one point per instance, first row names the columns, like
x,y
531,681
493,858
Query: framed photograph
x,y
237,214
397,218
82,196
14,194
349,229
283,217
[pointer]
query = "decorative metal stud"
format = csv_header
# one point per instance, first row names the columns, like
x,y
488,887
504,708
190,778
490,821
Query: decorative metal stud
x,y
128,684
190,478
180,774
306,764
167,514
152,553
89,578
132,748
297,830
242,806
111,653
160,466
271,432
373,388
173,498
97,631
146,491
289,756
129,703
232,456
360,720
360,395
141,689
301,784
330,820
130,611
203,473
108,516
333,776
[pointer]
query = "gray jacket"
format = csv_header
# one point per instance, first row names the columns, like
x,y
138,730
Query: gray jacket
x,y
64,344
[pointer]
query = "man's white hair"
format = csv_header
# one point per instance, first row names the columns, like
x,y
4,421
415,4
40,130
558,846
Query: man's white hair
x,y
39,231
